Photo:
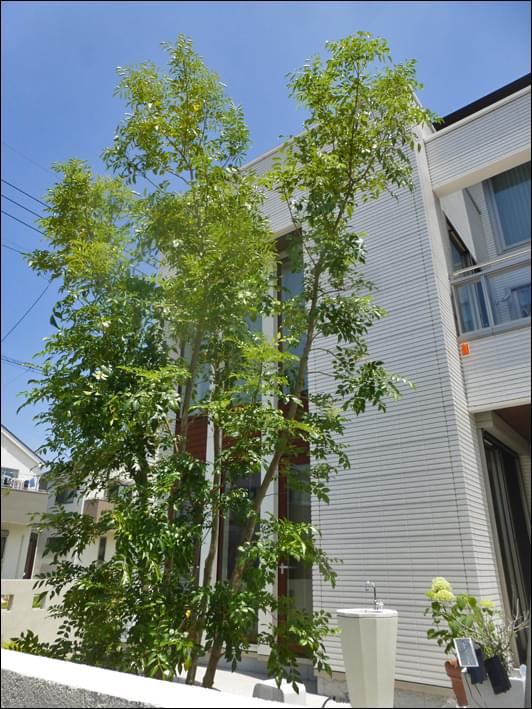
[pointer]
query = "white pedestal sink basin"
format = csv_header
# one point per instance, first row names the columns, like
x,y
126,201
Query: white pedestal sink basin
x,y
369,637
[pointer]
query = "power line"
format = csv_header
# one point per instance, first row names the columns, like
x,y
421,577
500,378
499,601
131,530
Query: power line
x,y
27,312
22,155
12,248
18,363
26,193
21,205
22,222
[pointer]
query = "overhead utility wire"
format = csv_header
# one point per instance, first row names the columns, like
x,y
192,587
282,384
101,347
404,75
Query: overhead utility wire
x,y
12,248
26,312
153,265
22,222
26,193
18,363
21,205
22,155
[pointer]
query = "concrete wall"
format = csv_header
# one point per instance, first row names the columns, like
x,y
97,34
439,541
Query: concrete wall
x,y
21,616
29,681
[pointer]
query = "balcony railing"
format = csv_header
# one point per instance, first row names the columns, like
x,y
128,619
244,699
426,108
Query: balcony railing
x,y
95,507
31,485
493,296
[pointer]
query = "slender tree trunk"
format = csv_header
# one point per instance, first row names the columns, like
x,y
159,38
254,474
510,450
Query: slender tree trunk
x,y
183,429
249,529
197,630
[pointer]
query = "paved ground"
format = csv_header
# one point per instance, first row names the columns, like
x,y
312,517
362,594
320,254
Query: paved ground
x,y
243,684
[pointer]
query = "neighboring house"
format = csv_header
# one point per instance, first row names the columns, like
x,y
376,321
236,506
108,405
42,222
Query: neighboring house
x,y
440,484
22,495
92,505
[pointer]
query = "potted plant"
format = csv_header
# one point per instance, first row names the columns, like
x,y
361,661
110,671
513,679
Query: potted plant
x,y
464,616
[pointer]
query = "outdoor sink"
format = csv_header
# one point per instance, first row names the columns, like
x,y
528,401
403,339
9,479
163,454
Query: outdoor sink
x,y
369,637
366,612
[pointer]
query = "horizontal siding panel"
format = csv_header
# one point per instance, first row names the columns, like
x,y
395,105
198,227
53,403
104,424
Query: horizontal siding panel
x,y
479,142
412,505
498,369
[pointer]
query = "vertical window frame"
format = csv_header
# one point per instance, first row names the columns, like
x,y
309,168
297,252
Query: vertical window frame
x,y
495,220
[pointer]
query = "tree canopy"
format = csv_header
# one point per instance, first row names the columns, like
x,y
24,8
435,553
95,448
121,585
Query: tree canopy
x,y
140,359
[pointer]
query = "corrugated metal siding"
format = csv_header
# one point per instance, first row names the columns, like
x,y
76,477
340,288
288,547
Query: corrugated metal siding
x,y
479,142
498,369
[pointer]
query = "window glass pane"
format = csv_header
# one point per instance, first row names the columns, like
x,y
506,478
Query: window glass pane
x,y
101,548
8,474
512,197
471,307
521,301
232,538
232,529
510,295
299,581
65,497
291,285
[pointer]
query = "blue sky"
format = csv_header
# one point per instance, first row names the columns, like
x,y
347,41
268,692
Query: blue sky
x,y
58,76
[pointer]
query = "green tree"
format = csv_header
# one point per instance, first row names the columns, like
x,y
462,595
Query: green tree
x,y
122,373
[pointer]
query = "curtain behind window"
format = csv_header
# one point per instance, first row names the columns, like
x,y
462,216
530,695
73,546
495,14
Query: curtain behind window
x,y
511,190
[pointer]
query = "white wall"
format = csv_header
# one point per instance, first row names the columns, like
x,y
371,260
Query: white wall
x,y
15,550
497,372
30,681
480,146
43,564
16,457
412,506
22,616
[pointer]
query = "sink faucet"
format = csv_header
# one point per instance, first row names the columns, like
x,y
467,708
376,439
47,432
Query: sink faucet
x,y
370,586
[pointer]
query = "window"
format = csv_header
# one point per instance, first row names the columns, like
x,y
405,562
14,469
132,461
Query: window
x,y
509,199
460,254
53,545
63,497
5,535
521,301
9,474
471,307
101,548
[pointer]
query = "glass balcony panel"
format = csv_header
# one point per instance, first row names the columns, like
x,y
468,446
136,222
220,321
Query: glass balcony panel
x,y
472,307
509,294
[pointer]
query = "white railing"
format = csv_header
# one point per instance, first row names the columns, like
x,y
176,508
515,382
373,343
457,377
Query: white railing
x,y
494,295
29,485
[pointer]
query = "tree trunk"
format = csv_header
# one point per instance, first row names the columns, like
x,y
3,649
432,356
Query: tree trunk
x,y
214,659
197,630
249,529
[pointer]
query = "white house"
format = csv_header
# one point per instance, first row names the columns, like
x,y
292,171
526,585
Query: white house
x,y
22,495
440,484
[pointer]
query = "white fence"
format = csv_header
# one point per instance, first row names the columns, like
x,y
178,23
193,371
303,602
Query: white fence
x,y
29,681
25,608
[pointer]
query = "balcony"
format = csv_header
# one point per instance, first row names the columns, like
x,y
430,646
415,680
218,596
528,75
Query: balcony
x,y
493,297
95,508
32,485
492,302
20,500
